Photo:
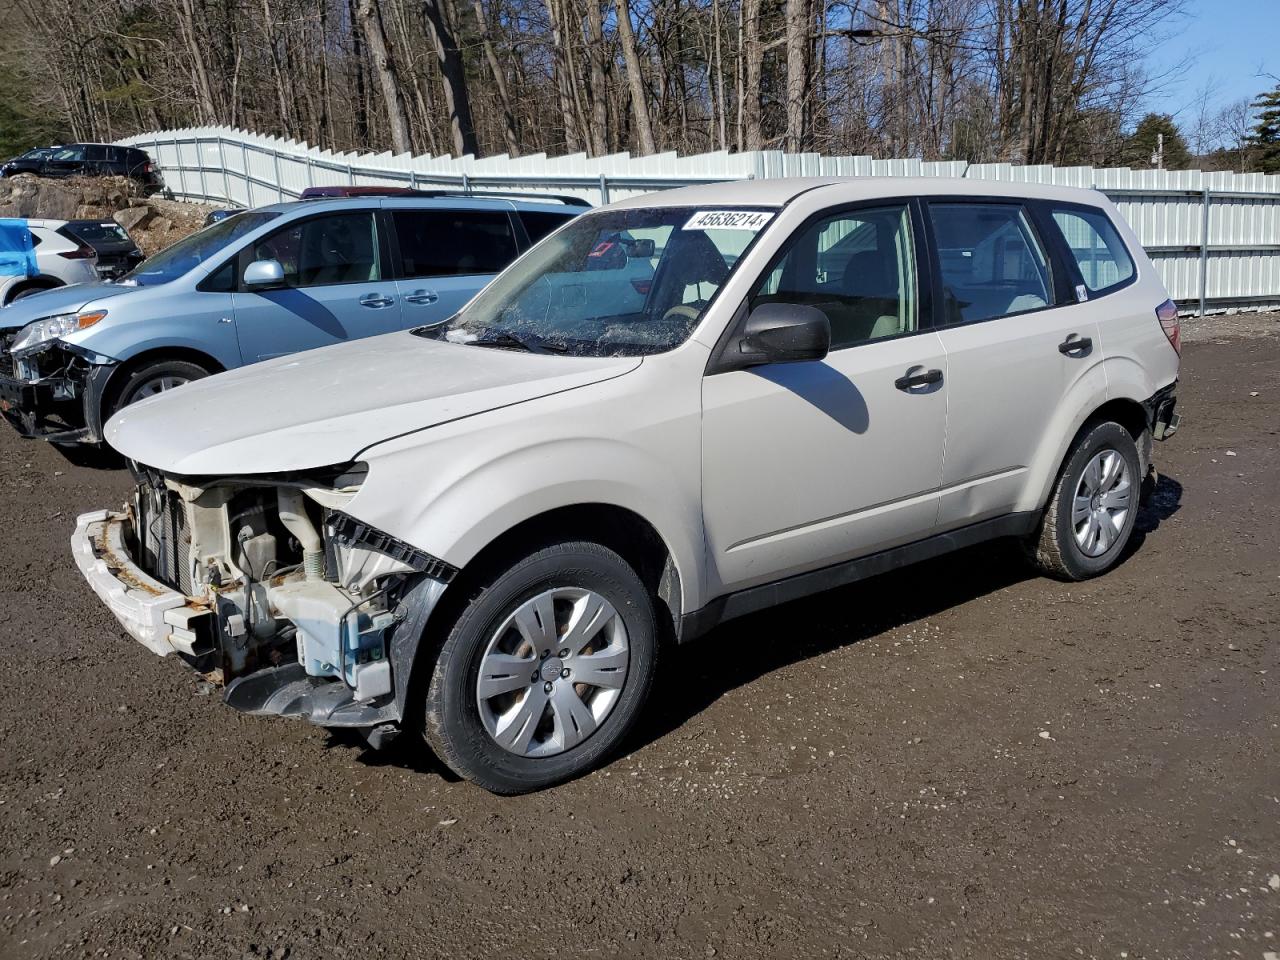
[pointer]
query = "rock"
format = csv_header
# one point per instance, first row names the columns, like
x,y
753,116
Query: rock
x,y
161,225
54,861
134,218
1274,882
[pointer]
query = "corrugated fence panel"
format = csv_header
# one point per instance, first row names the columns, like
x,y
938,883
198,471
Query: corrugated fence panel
x,y
1239,259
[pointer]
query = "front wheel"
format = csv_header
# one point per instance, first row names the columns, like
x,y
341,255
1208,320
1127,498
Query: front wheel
x,y
154,379
1091,513
544,671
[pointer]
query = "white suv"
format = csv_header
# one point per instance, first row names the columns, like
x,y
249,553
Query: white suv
x,y
38,255
484,531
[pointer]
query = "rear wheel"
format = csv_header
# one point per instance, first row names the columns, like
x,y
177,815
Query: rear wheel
x,y
544,671
1091,513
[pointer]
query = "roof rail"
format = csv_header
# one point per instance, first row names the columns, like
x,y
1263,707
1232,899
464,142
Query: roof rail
x,y
332,192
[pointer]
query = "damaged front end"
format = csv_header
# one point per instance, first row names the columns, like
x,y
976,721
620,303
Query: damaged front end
x,y
53,391
268,589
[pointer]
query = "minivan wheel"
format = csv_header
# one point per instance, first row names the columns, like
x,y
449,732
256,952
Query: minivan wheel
x,y
544,671
1091,514
153,379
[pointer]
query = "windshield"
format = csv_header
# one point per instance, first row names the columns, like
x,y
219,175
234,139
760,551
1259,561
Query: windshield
x,y
189,253
91,231
614,283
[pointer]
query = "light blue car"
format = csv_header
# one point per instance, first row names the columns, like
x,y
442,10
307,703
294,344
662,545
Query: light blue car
x,y
260,284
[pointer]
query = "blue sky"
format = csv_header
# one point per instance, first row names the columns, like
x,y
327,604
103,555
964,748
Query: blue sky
x,y
1225,43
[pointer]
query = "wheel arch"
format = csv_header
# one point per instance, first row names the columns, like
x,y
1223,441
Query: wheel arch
x,y
127,368
32,283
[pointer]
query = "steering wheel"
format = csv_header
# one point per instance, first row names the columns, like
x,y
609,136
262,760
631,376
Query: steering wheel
x,y
688,311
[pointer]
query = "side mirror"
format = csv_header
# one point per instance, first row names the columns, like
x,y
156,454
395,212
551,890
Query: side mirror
x,y
264,275
641,249
784,333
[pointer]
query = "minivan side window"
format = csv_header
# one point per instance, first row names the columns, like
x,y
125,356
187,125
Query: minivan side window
x,y
1095,246
323,251
453,243
857,267
537,224
991,261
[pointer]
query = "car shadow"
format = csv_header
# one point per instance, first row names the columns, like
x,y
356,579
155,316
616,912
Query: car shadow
x,y
697,674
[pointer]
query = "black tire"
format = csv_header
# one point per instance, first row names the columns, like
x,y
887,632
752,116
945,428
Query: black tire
x,y
451,720
1054,548
27,292
145,376
97,456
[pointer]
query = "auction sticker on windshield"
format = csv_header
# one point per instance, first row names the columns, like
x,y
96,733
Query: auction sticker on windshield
x,y
728,220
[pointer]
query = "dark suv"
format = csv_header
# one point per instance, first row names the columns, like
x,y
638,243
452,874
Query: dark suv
x,y
88,159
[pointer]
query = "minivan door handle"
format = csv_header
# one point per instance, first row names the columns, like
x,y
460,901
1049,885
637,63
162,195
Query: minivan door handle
x,y
1076,346
422,296
376,300
910,380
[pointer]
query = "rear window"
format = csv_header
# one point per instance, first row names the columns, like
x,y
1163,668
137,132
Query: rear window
x,y
1095,246
452,243
93,231
538,224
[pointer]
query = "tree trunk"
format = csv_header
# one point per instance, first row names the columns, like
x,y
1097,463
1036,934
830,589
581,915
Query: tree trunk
x,y
797,17
753,136
456,98
375,39
639,102
509,134
598,90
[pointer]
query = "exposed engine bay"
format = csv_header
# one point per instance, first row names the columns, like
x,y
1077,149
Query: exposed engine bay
x,y
285,600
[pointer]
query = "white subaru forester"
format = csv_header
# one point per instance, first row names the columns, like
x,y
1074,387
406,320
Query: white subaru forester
x,y
674,410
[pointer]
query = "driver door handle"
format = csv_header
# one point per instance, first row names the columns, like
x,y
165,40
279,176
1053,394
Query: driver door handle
x,y
422,296
376,300
910,380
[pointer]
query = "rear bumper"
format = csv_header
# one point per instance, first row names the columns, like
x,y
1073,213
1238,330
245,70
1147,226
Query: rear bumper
x,y
1162,416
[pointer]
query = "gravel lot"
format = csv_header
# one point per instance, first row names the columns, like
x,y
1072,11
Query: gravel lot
x,y
956,760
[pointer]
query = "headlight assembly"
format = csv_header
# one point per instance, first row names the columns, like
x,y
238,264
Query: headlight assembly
x,y
51,328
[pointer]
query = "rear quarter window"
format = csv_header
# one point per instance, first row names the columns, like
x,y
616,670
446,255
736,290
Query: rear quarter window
x,y
1095,245
537,224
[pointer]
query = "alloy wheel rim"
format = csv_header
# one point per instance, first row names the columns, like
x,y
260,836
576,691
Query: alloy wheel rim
x,y
1103,499
158,385
552,672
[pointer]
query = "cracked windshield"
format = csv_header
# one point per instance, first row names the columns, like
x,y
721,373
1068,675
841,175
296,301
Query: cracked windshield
x,y
620,283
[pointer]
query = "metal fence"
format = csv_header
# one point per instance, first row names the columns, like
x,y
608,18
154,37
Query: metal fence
x,y
1213,237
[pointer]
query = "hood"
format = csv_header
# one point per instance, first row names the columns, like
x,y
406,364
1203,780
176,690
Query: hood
x,y
70,299
324,406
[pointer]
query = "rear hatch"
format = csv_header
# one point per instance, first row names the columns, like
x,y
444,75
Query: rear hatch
x,y
117,253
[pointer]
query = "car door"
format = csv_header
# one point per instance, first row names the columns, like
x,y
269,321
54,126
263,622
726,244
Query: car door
x,y
809,464
446,255
336,285
1015,343
64,161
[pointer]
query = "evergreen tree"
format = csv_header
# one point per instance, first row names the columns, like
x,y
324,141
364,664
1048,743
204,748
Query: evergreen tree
x,y
1140,146
1266,133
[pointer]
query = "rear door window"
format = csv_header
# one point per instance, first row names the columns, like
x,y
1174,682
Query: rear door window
x,y
991,261
453,243
538,224
1095,246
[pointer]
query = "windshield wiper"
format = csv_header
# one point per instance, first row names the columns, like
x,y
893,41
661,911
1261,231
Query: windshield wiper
x,y
509,341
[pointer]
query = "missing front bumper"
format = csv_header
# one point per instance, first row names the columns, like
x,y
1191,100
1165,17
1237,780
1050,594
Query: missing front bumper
x,y
166,622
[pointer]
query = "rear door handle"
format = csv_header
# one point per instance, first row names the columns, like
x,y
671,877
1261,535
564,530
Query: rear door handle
x,y
910,380
1076,346
376,300
422,296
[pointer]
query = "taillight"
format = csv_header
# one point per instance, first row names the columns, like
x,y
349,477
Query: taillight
x,y
1167,314
81,252
146,167
642,286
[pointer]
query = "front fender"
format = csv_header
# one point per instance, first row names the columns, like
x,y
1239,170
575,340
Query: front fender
x,y
465,499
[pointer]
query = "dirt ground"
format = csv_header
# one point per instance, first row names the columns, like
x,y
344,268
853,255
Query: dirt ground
x,y
955,760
